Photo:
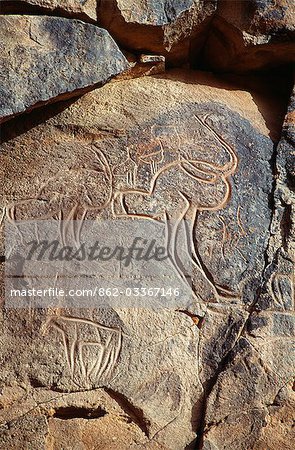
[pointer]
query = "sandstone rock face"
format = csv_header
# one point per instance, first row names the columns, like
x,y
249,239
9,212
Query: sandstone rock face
x,y
74,8
169,27
220,368
278,293
45,58
251,35
48,419
254,393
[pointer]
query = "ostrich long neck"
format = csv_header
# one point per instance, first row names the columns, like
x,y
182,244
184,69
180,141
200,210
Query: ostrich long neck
x,y
231,166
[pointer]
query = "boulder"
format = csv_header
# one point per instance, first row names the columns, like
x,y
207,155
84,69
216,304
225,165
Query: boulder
x,y
172,28
85,10
48,58
251,35
185,144
250,404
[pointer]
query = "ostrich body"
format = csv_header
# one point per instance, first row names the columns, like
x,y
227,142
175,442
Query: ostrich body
x,y
179,188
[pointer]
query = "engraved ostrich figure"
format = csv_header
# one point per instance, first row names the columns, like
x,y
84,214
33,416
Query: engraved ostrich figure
x,y
181,199
80,335
69,195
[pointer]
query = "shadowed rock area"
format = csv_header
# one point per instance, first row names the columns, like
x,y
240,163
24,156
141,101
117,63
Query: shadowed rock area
x,y
251,35
176,29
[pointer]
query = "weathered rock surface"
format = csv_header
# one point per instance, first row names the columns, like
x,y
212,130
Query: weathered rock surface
x,y
278,293
45,57
40,418
251,35
250,405
142,65
177,130
85,9
251,402
172,28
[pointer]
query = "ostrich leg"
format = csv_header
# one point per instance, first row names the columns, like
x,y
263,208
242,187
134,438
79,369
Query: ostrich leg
x,y
219,292
171,246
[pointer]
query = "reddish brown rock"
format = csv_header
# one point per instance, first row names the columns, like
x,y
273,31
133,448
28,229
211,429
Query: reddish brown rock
x,y
250,404
172,28
47,420
207,145
251,35
142,65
